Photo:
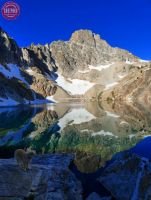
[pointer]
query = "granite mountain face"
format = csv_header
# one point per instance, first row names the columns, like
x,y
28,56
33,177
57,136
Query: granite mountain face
x,y
86,67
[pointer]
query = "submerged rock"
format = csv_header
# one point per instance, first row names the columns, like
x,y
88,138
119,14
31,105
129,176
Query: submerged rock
x,y
87,162
128,177
49,178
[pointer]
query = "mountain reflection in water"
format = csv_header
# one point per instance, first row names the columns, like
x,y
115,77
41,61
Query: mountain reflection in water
x,y
92,132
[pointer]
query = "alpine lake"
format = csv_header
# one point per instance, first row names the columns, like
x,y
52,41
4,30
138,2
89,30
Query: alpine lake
x,y
92,131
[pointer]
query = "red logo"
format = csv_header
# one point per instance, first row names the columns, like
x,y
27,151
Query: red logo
x,y
10,10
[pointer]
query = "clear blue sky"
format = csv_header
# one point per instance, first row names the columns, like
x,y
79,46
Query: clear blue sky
x,y
123,23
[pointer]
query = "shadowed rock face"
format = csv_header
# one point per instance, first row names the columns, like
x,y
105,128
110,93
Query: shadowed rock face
x,y
47,179
19,85
9,50
128,177
39,56
14,88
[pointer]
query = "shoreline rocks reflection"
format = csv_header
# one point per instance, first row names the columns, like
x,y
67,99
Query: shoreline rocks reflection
x,y
92,132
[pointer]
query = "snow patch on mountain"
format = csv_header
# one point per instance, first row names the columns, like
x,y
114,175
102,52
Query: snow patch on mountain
x,y
11,71
145,61
74,86
121,76
30,71
84,71
75,116
110,85
51,99
129,62
100,67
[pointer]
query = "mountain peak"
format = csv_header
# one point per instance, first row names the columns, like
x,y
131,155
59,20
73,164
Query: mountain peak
x,y
84,37
82,33
3,34
9,50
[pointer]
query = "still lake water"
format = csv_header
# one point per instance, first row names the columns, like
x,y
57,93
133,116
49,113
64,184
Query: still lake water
x,y
95,134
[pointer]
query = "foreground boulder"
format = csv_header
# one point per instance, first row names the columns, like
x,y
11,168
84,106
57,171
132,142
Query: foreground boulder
x,y
49,178
128,177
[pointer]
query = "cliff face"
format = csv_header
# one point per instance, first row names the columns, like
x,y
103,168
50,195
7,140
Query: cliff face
x,y
135,87
23,73
9,50
83,49
82,68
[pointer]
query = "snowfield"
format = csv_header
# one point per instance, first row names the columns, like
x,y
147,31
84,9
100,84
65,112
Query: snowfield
x,y
13,71
74,86
51,99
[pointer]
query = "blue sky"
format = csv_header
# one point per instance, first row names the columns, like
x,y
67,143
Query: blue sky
x,y
123,23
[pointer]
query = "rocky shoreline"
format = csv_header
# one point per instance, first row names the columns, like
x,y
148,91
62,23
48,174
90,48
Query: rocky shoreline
x,y
49,178
126,176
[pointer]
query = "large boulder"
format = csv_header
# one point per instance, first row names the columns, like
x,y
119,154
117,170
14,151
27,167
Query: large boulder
x,y
128,177
49,178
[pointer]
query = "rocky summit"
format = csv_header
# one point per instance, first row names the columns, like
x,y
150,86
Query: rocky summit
x,y
85,67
